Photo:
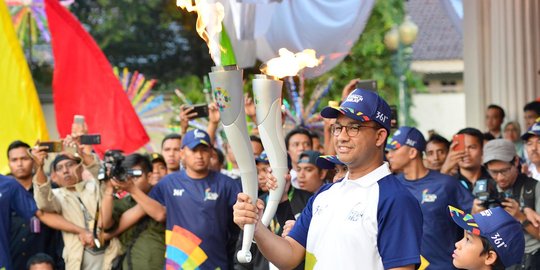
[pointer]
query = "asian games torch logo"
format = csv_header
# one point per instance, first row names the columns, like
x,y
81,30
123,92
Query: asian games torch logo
x,y
222,98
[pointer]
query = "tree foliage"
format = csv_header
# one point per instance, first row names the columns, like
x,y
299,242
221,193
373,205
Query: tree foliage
x,y
369,58
152,36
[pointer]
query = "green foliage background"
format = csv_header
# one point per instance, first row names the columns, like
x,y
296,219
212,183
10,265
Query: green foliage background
x,y
158,39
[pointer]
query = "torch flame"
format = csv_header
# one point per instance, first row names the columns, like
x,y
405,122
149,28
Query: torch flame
x,y
209,18
289,64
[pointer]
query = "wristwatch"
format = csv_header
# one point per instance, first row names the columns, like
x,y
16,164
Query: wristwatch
x,y
525,223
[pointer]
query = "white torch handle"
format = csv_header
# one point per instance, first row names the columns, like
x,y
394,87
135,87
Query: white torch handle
x,y
227,87
267,93
243,152
271,132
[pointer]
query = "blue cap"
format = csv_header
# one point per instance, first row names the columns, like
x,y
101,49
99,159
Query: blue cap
x,y
502,230
309,156
328,162
407,136
195,137
262,158
534,130
362,105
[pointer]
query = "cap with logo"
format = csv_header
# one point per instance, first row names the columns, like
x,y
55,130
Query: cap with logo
x,y
328,162
156,157
362,105
503,231
409,136
499,149
196,137
309,156
262,158
534,130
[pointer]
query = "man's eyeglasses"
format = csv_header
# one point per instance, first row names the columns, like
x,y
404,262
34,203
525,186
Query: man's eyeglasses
x,y
504,172
351,130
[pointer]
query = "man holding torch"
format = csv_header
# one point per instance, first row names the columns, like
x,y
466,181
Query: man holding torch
x,y
368,220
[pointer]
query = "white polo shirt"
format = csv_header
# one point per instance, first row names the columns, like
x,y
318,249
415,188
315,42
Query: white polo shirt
x,y
372,222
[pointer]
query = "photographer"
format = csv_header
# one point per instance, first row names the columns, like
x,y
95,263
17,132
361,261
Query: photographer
x,y
143,243
517,193
77,201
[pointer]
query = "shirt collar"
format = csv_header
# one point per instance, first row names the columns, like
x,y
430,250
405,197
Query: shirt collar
x,y
370,178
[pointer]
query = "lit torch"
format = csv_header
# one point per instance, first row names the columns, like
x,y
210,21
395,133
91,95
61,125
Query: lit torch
x,y
267,94
227,88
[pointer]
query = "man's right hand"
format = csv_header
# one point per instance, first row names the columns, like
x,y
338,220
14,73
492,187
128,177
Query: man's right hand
x,y
39,154
87,239
246,213
186,114
452,159
126,185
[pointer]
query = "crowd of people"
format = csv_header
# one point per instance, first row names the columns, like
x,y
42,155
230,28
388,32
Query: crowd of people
x,y
361,194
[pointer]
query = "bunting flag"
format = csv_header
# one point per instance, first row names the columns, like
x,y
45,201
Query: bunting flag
x,y
22,117
84,83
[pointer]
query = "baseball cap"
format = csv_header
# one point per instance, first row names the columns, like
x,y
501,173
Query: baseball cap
x,y
309,156
328,162
409,136
62,156
195,137
534,130
156,157
502,230
262,158
499,149
362,105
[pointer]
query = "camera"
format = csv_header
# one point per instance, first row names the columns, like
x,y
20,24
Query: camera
x,y
490,199
112,168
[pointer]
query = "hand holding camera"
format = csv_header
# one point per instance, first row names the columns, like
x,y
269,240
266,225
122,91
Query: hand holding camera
x,y
512,207
39,154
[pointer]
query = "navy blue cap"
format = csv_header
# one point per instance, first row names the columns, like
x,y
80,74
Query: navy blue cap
x,y
309,156
328,162
534,130
409,136
502,230
362,105
195,137
263,158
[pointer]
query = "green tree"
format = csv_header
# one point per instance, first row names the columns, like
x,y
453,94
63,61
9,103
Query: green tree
x,y
369,58
152,36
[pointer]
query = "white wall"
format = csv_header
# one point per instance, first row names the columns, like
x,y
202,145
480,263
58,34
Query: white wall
x,y
444,112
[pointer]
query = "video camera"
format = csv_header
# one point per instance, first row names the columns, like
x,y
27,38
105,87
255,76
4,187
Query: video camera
x,y
112,168
489,198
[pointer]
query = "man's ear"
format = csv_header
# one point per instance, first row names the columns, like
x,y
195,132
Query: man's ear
x,y
323,173
413,153
382,136
491,258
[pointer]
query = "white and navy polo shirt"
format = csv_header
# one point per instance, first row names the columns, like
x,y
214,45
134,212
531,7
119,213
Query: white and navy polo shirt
x,y
372,222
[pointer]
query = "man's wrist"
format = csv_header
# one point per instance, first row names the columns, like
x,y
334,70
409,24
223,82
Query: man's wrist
x,y
525,223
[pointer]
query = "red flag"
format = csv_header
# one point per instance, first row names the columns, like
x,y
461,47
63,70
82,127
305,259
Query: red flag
x,y
84,83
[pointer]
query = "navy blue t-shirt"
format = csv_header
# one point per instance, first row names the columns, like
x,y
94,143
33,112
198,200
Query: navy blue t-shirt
x,y
13,197
200,224
435,192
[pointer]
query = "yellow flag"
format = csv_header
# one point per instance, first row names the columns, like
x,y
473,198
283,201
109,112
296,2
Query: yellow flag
x,y
21,117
